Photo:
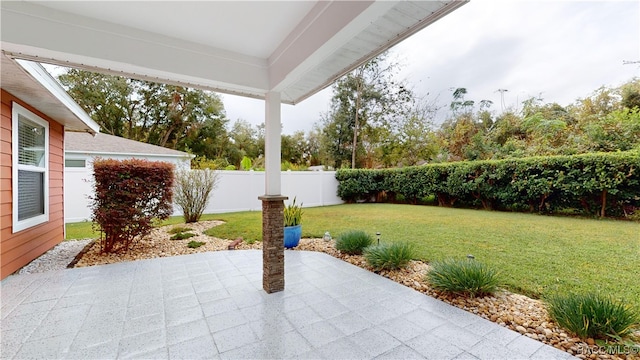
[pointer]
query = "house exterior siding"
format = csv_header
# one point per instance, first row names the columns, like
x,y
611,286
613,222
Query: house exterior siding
x,y
18,249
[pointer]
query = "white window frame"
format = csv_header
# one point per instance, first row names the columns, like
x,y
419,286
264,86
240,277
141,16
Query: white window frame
x,y
17,111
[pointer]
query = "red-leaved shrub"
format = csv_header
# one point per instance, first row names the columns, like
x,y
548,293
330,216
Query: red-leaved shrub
x,y
129,196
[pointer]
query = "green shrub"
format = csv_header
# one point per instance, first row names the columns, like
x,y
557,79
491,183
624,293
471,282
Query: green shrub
x,y
182,236
353,242
359,184
632,213
389,256
178,229
285,165
463,277
245,163
195,244
592,315
201,163
596,183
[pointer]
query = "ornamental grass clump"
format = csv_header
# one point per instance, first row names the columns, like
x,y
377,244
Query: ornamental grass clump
x,y
593,315
179,229
463,277
195,244
182,236
389,256
353,242
292,214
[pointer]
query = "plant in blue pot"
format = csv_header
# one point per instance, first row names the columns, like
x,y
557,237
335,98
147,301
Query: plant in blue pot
x,y
292,224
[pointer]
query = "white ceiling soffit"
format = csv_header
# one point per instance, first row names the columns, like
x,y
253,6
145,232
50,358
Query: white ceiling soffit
x,y
240,47
31,83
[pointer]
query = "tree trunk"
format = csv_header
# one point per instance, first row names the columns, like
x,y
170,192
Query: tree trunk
x,y
542,201
604,203
165,138
355,128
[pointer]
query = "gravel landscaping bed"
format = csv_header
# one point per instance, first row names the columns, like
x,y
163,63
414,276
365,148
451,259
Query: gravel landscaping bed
x,y
517,312
57,258
158,244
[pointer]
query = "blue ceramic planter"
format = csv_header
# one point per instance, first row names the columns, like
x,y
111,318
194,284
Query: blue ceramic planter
x,y
292,235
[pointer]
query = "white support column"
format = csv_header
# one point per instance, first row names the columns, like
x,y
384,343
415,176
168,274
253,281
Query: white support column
x,y
272,201
273,129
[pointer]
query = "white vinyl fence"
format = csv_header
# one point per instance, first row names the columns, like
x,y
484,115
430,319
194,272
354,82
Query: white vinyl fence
x,y
236,191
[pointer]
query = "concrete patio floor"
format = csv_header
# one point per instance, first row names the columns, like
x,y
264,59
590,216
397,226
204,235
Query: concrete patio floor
x,y
211,305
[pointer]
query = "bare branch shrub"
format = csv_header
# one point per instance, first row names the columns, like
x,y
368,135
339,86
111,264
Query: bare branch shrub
x,y
192,191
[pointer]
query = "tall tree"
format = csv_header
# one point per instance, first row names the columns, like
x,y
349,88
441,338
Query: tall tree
x,y
336,138
363,101
463,135
246,141
171,116
294,148
172,113
109,100
607,120
631,93
315,154
412,140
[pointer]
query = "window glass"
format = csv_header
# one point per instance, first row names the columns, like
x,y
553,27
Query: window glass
x,y
30,194
74,163
30,143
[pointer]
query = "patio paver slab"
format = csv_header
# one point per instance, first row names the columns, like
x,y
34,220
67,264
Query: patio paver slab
x,y
211,306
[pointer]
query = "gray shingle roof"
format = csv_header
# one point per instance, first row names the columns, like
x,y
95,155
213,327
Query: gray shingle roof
x,y
104,143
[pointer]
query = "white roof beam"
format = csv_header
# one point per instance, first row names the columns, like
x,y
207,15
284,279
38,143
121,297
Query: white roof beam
x,y
317,36
308,54
93,44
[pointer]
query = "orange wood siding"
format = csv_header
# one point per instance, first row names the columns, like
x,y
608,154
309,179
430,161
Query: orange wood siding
x,y
17,250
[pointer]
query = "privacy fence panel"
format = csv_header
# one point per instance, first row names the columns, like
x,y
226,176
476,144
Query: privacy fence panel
x,y
236,191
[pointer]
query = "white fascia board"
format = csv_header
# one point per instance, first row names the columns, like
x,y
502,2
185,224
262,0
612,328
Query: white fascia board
x,y
93,153
67,39
48,82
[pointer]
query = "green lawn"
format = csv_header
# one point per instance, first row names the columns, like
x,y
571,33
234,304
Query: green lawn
x,y
536,254
84,230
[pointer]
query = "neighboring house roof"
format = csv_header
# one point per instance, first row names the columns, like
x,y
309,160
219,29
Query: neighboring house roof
x,y
76,142
31,83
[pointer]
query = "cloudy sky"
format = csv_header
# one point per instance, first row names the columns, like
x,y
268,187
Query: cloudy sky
x,y
557,50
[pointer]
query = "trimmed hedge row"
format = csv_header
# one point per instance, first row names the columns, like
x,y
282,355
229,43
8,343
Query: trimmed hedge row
x,y
599,183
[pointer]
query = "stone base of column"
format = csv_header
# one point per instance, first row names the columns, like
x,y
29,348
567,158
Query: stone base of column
x,y
272,243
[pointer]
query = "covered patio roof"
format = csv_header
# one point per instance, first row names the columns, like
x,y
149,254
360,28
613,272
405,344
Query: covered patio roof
x,y
279,51
249,48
